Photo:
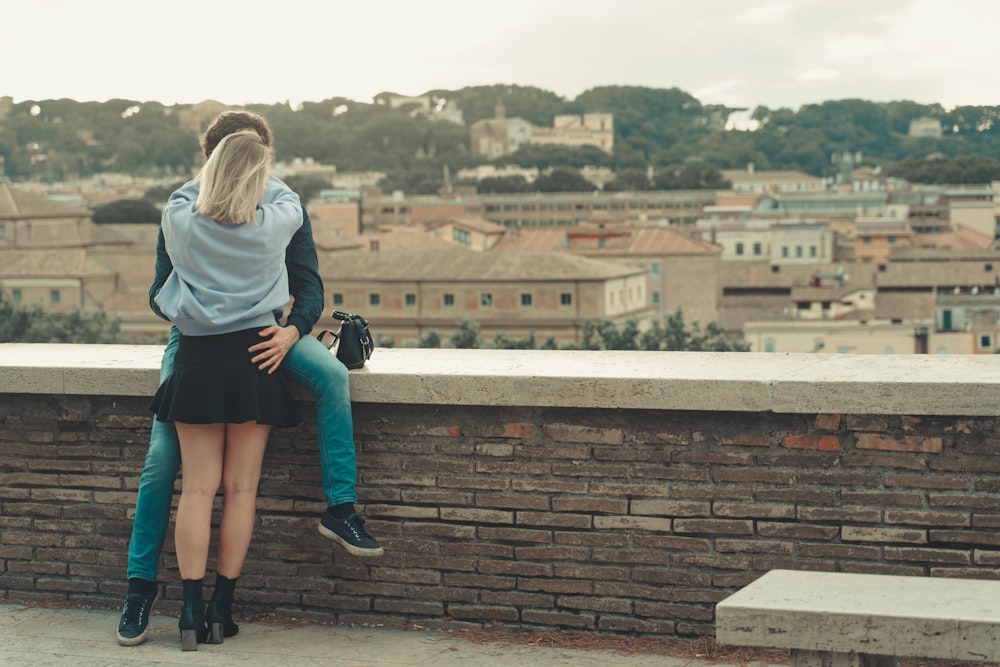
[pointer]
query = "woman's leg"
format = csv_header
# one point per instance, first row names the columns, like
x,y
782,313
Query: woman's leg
x,y
202,447
245,444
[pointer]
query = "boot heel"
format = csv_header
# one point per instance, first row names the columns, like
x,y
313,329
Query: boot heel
x,y
215,634
189,640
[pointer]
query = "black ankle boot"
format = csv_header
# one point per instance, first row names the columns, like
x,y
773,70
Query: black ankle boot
x,y
192,623
219,614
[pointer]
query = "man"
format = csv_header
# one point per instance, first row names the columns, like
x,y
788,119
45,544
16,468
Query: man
x,y
303,359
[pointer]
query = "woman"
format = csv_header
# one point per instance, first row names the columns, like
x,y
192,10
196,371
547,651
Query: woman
x,y
228,282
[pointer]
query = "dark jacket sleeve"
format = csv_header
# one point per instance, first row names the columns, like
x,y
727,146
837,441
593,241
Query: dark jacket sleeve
x,y
163,268
303,279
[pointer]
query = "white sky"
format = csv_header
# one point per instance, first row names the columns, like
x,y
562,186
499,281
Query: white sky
x,y
738,52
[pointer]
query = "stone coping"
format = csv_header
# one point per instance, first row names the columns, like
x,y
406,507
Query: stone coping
x,y
712,381
924,617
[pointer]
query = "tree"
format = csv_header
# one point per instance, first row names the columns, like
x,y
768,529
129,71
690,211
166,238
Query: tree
x,y
127,210
629,179
429,339
467,336
503,185
501,342
307,187
31,324
563,179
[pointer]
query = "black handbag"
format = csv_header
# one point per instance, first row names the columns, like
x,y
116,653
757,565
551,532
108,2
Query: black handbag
x,y
353,340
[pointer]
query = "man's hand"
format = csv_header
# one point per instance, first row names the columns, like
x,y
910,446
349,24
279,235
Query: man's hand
x,y
272,351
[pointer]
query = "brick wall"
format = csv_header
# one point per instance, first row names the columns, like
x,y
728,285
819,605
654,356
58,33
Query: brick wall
x,y
633,521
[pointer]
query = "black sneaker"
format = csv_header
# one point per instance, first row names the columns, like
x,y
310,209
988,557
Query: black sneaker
x,y
134,624
350,533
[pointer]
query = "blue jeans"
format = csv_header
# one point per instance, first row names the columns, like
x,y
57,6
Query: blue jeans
x,y
308,363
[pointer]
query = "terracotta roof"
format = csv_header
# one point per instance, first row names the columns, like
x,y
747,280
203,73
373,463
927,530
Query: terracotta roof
x,y
619,241
16,204
467,266
50,263
963,238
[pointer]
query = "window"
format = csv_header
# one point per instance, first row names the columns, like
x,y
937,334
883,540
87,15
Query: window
x,y
798,251
525,299
411,299
656,298
54,296
757,249
338,299
892,239
486,300
374,299
654,268
812,251
17,295
566,299
985,341
739,248
769,345
449,299
784,251
461,236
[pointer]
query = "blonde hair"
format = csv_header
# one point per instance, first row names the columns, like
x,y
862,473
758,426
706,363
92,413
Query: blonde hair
x,y
234,178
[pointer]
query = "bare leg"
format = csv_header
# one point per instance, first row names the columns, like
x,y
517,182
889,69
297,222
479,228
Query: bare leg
x,y
245,444
201,461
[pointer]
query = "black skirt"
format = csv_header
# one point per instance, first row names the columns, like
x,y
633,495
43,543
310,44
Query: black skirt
x,y
214,382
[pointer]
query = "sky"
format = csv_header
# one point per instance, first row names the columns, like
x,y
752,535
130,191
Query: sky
x,y
742,53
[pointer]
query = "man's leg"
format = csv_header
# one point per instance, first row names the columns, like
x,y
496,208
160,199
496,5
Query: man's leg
x,y
314,367
152,516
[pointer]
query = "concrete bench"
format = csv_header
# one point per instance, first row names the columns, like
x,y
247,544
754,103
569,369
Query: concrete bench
x,y
863,620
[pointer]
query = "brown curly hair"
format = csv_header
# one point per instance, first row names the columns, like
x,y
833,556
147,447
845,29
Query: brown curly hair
x,y
228,122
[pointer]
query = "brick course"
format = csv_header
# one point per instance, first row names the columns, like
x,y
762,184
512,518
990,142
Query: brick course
x,y
628,521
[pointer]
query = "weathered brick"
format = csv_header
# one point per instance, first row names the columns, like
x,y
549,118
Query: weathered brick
x,y
713,526
602,604
486,613
845,514
928,555
480,580
517,599
973,537
672,508
867,422
517,568
476,515
927,518
754,546
827,422
673,611
578,433
554,519
753,510
581,621
602,505
417,607
823,443
632,523
883,535
840,551
906,443
499,449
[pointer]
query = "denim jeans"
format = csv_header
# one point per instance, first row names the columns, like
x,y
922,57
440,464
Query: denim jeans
x,y
309,364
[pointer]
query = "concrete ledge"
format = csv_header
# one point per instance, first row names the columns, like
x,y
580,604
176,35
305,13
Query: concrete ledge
x,y
954,619
711,381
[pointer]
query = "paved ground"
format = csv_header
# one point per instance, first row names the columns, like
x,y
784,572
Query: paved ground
x,y
83,638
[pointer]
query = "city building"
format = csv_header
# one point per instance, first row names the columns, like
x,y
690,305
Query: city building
x,y
406,295
502,135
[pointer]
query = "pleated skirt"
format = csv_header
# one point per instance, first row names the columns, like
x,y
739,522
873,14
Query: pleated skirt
x,y
214,382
